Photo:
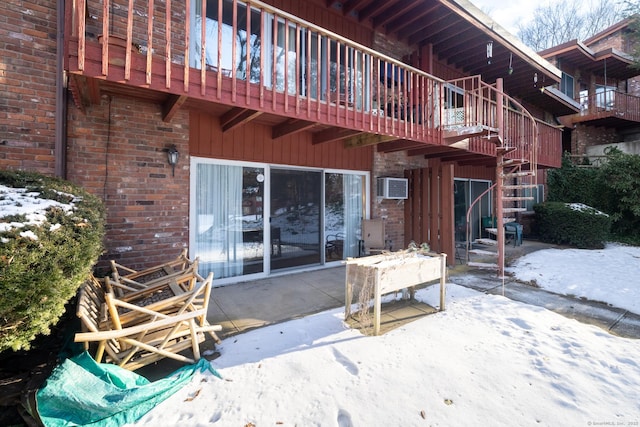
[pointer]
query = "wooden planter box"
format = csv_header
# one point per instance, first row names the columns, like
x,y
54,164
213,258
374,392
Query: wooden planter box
x,y
392,272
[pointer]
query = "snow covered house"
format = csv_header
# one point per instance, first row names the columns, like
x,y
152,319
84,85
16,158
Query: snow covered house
x,y
288,123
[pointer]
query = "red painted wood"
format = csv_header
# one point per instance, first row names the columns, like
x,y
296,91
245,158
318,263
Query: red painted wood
x,y
253,142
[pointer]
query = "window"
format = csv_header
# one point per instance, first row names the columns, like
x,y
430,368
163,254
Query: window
x,y
566,85
225,61
296,60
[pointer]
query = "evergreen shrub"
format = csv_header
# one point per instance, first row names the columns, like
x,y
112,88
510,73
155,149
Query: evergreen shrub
x,y
573,224
44,256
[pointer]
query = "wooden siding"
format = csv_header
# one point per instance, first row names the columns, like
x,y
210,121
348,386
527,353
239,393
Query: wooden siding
x,y
316,11
253,143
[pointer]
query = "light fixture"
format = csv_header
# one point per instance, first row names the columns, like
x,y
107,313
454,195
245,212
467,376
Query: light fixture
x,y
172,157
510,71
489,51
535,79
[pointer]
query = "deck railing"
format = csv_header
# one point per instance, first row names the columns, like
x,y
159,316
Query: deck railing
x,y
251,55
470,102
611,102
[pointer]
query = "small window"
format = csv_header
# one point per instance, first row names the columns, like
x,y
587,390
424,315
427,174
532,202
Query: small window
x,y
566,85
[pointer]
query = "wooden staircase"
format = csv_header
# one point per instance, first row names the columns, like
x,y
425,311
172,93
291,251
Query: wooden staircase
x,y
516,166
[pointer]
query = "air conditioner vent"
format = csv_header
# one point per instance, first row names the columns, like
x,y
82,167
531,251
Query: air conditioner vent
x,y
393,188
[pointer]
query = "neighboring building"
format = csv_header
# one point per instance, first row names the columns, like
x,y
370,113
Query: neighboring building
x,y
285,115
597,74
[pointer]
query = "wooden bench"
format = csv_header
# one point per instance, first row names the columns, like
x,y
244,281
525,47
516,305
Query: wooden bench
x,y
392,272
132,335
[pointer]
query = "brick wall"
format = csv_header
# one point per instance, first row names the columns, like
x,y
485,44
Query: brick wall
x,y
116,151
27,77
586,136
391,210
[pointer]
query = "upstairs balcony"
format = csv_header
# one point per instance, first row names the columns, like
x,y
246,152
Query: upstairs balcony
x,y
246,62
608,107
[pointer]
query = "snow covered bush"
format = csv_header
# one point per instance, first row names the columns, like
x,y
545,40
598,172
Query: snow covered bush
x,y
51,235
573,224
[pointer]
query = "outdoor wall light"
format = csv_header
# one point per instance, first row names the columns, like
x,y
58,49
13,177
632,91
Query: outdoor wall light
x,y
172,158
489,51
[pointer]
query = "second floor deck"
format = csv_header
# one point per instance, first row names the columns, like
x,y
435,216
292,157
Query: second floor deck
x,y
610,108
246,60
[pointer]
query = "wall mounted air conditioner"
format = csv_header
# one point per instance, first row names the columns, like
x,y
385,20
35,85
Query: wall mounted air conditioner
x,y
393,188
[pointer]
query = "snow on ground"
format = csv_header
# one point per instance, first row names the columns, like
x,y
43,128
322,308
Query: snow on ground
x,y
610,275
486,360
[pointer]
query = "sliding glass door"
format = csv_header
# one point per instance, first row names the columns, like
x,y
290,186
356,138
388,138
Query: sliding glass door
x,y
229,219
253,219
465,192
344,210
296,207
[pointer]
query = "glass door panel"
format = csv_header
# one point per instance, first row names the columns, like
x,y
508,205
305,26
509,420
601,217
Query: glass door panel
x,y
461,204
296,206
229,220
465,192
481,209
344,195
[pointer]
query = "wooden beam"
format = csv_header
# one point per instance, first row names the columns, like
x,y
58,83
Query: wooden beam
x,y
364,139
290,127
237,117
464,156
429,150
171,106
332,134
76,93
93,91
399,145
451,156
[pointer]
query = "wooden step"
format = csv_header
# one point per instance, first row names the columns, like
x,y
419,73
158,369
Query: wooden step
x,y
505,150
514,162
513,210
454,134
516,198
517,174
488,242
519,186
482,252
483,265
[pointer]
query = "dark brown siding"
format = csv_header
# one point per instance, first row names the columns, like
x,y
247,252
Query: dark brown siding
x,y
253,143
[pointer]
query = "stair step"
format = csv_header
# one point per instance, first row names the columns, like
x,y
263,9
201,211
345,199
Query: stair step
x,y
513,210
514,162
483,265
488,242
482,252
517,174
518,186
505,150
516,198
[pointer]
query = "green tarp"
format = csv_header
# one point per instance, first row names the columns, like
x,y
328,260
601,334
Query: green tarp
x,y
81,392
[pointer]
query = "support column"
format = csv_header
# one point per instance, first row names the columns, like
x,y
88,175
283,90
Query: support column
x,y
500,150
